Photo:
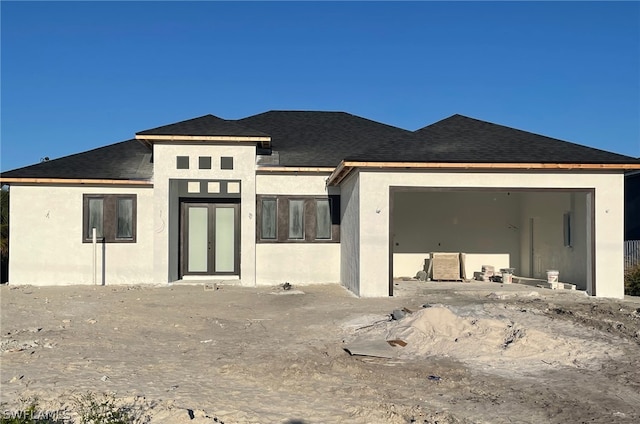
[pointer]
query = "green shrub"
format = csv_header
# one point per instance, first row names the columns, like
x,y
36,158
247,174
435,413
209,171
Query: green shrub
x,y
632,281
89,408
101,409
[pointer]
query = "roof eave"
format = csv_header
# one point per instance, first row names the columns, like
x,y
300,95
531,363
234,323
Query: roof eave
x,y
75,181
304,169
345,167
149,139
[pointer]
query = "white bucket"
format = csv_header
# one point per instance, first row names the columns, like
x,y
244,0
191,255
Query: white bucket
x,y
552,276
507,277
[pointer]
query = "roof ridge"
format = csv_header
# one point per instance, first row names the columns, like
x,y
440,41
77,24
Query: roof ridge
x,y
378,122
204,125
181,122
542,135
349,114
529,135
306,110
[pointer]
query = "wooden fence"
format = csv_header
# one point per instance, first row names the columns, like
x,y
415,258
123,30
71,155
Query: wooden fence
x,y
631,253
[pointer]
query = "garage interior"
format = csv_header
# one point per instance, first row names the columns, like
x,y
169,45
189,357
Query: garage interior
x,y
530,230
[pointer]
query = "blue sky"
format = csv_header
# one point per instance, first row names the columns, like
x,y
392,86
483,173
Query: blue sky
x,y
80,75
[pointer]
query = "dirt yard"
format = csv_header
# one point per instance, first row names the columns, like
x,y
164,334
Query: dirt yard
x,y
475,353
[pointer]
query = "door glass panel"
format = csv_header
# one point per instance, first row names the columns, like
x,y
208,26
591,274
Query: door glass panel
x,y
198,239
225,239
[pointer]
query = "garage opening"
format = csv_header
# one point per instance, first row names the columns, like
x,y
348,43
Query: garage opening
x,y
531,231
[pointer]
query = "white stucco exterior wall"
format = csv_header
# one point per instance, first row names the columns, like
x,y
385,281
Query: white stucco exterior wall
x,y
350,234
296,263
290,183
609,236
374,217
373,213
46,245
164,158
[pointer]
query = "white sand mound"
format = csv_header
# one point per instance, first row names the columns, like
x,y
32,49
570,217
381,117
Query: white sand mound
x,y
438,331
488,342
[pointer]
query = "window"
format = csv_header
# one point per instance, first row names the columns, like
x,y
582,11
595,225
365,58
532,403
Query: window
x,y
269,219
226,162
125,218
96,209
182,162
204,162
323,219
112,215
298,219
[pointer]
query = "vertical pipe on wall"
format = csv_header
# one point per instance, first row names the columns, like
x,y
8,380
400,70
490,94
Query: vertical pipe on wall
x,y
95,253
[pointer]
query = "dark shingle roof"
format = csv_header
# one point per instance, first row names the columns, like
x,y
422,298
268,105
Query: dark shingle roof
x,y
207,125
127,160
462,139
309,138
323,139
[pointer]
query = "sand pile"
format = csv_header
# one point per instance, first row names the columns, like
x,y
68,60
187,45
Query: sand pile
x,y
485,341
439,331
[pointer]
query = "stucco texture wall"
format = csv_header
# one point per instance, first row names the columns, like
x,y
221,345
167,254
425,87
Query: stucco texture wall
x,y
374,217
296,263
166,235
350,235
290,183
46,245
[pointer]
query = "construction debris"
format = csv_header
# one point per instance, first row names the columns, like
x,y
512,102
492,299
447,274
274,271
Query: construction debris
x,y
400,313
